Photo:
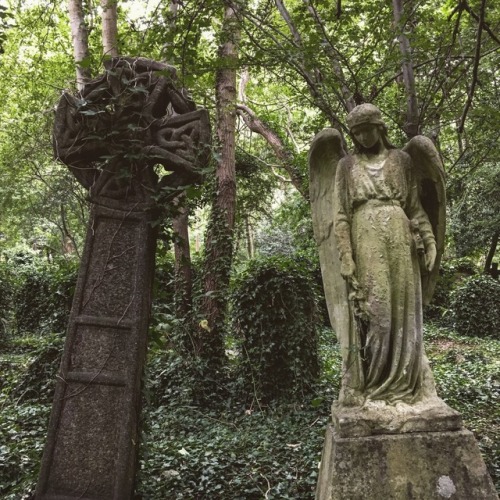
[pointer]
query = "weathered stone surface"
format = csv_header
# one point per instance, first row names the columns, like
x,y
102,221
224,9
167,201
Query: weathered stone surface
x,y
113,136
378,219
379,418
93,435
413,466
379,222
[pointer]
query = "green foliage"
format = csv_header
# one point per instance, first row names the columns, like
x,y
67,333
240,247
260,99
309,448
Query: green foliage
x,y
39,199
275,315
474,305
36,294
6,292
27,384
467,374
475,215
451,273
224,448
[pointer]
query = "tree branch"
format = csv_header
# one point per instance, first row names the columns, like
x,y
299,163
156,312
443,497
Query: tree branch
x,y
475,69
283,154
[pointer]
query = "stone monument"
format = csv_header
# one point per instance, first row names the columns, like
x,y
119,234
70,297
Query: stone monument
x,y
379,222
118,136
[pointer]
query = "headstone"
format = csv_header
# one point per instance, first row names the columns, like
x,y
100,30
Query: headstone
x,y
114,136
379,222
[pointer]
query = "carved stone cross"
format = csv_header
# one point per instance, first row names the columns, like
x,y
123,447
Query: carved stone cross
x,y
114,136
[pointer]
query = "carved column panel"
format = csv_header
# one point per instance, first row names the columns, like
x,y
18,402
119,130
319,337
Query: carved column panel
x,y
92,440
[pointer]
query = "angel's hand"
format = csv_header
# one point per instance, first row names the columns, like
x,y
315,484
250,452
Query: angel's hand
x,y
347,266
430,256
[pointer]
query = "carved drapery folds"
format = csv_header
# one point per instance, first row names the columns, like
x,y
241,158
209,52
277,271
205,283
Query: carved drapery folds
x,y
123,124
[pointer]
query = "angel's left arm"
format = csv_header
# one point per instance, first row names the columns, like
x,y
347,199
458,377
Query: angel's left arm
x,y
414,210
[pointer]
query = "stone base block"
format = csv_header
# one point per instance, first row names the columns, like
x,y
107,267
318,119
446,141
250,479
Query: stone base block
x,y
411,466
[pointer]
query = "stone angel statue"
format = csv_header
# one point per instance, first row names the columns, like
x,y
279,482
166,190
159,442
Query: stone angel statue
x,y
379,222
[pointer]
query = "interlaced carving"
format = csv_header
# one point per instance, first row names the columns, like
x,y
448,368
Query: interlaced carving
x,y
124,123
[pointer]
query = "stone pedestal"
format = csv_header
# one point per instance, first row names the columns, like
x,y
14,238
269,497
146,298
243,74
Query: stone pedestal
x,y
411,466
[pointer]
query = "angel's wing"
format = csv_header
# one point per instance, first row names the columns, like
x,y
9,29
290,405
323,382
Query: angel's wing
x,y
324,155
429,172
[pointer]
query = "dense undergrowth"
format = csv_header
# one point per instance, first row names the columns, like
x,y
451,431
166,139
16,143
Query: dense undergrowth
x,y
229,446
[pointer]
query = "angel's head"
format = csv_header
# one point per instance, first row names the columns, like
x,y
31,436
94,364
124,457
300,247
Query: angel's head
x,y
367,127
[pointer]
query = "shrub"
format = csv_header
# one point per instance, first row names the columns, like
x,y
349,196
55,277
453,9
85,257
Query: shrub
x,y
43,295
451,273
275,315
474,307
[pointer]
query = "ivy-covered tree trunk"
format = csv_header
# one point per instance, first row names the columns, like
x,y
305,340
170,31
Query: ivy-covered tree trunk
x,y
80,37
182,253
219,240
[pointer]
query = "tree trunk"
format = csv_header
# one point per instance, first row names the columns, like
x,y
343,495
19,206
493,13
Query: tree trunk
x,y
250,240
80,37
491,252
219,241
411,126
180,223
182,252
109,27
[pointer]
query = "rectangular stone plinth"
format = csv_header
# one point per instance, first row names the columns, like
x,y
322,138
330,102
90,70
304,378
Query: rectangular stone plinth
x,y
413,466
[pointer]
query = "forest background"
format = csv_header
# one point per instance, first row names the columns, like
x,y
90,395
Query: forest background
x,y
272,73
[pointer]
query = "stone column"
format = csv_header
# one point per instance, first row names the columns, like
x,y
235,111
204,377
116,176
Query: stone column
x,y
112,136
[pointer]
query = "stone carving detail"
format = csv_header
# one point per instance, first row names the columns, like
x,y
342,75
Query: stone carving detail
x,y
125,122
114,136
379,219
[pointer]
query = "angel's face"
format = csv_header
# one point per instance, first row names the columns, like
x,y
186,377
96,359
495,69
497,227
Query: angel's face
x,y
367,135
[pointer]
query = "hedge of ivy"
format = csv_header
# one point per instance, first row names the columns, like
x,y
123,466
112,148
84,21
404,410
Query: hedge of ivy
x,y
275,314
475,307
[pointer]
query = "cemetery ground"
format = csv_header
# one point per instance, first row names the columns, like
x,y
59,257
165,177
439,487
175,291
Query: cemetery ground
x,y
229,445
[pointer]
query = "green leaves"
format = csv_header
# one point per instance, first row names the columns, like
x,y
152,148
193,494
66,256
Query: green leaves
x,y
274,312
474,305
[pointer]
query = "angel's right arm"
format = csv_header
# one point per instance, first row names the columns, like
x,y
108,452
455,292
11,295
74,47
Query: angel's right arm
x,y
341,216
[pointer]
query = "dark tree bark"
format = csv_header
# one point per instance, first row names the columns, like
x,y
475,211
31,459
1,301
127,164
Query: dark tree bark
x,y
182,252
491,252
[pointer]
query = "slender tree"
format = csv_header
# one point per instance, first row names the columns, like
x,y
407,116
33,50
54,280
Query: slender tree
x,y
79,35
110,27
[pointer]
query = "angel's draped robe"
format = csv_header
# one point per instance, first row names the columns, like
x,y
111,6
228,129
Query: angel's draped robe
x,y
374,203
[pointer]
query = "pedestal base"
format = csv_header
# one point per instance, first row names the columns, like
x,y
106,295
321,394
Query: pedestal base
x,y
411,466
379,418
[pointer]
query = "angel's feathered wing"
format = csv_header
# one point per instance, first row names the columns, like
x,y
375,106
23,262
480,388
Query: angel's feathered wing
x,y
429,172
324,155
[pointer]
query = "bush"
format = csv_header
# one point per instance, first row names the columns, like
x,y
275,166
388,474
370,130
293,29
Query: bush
x,y
451,273
42,293
474,307
275,315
